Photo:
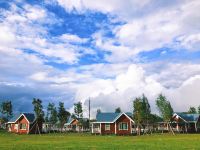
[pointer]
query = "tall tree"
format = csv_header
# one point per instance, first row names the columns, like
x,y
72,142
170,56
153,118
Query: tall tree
x,y
6,109
192,110
38,109
146,109
78,109
98,110
118,110
199,109
63,115
52,113
165,109
138,113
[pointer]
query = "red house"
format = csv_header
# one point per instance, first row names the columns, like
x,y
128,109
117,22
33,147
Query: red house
x,y
24,123
113,123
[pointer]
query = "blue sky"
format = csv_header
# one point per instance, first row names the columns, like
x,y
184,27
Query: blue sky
x,y
70,50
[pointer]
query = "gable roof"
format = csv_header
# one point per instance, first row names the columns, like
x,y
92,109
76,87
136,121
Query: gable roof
x,y
70,120
188,117
111,117
29,116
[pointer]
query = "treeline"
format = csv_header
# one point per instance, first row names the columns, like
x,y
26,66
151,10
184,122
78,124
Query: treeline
x,y
54,115
141,111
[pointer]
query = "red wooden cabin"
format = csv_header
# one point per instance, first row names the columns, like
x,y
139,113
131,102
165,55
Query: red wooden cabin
x,y
113,123
24,123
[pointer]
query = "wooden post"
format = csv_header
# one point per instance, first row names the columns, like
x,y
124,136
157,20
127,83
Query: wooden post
x,y
195,126
100,128
92,128
115,128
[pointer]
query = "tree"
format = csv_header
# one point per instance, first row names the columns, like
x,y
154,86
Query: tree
x,y
118,110
78,109
52,114
6,109
192,110
98,110
146,109
63,115
199,109
138,113
38,109
164,108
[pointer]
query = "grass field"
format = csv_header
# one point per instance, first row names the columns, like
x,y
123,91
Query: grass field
x,y
87,141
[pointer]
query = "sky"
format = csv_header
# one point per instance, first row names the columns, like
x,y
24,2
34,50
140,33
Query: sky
x,y
109,51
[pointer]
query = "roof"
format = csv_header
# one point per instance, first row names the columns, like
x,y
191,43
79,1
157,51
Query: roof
x,y
29,116
188,117
110,117
71,119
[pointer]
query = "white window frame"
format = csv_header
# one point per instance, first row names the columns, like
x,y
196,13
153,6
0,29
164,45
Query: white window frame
x,y
21,124
107,126
120,124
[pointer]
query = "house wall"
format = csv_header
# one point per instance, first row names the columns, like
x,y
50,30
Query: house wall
x,y
111,131
123,119
22,120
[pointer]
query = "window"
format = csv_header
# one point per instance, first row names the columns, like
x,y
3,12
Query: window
x,y
16,127
107,126
23,126
123,126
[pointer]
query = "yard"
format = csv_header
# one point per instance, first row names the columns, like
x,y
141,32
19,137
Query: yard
x,y
86,141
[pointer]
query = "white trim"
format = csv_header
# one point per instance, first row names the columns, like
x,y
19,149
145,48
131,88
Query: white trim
x,y
115,128
102,122
116,119
107,128
122,123
28,128
24,117
100,128
121,115
175,114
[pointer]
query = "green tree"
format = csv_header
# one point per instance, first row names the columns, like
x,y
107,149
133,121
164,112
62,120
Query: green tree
x,y
192,110
6,109
118,110
138,113
165,109
78,110
52,113
146,110
98,110
63,115
38,109
199,109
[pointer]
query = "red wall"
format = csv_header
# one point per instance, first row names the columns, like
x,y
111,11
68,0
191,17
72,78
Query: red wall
x,y
124,119
20,131
111,131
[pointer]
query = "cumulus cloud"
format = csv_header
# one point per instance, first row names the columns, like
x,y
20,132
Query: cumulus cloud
x,y
26,48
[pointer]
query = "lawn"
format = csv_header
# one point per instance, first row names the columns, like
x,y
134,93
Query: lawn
x,y
86,141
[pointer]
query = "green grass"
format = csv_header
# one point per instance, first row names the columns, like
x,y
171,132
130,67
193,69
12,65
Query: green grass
x,y
73,141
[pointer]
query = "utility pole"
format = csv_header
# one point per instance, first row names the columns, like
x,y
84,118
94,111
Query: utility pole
x,y
89,109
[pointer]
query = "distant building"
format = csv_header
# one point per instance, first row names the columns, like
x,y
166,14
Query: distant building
x,y
77,124
113,123
183,122
24,123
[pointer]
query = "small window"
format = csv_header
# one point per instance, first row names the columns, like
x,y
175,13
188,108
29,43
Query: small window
x,y
107,126
123,126
23,126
